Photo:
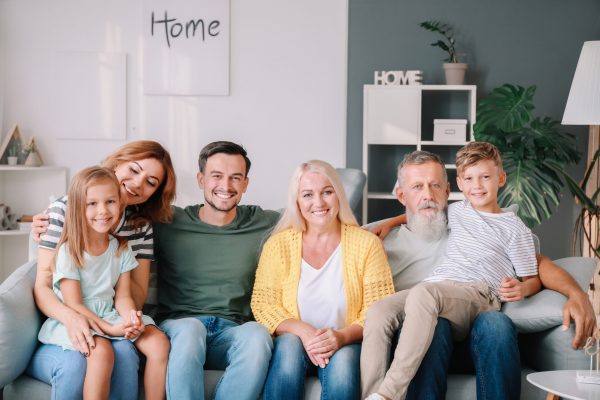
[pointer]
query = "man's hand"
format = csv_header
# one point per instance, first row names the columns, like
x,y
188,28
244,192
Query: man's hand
x,y
579,309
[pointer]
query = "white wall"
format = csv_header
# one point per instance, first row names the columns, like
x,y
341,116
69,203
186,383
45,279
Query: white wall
x,y
287,99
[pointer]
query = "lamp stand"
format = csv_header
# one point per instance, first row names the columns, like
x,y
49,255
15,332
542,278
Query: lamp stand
x,y
592,185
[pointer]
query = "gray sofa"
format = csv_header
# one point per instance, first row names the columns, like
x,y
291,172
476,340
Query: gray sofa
x,y
544,346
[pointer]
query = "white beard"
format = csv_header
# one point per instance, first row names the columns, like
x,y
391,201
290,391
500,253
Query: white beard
x,y
429,228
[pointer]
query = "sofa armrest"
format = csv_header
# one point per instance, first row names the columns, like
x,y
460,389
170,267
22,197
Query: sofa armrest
x,y
20,322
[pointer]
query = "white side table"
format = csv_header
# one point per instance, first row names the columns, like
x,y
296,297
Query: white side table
x,y
564,384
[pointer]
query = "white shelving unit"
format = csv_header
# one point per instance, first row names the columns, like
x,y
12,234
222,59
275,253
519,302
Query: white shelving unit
x,y
398,120
26,190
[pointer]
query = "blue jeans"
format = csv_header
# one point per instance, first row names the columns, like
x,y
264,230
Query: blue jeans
x,y
243,351
340,379
491,350
430,382
65,371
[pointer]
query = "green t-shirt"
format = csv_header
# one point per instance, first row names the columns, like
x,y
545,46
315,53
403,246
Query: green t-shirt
x,y
205,269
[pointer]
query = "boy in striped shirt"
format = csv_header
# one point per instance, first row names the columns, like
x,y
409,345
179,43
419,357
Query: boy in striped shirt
x,y
487,248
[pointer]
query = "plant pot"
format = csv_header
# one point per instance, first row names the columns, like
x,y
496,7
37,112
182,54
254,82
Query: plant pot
x,y
455,73
12,160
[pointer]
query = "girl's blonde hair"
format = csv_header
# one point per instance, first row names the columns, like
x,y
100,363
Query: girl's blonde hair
x,y
75,233
158,207
292,217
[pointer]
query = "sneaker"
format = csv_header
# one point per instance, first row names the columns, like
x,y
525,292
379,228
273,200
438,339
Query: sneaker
x,y
375,396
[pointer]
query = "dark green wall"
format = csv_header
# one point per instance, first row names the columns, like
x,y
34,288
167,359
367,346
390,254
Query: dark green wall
x,y
525,42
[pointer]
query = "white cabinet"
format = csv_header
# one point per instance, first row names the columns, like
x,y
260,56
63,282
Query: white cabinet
x,y
400,119
26,190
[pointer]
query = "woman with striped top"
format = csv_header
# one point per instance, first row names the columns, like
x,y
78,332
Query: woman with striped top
x,y
147,183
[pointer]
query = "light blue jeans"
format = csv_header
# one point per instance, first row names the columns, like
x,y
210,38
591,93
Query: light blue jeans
x,y
243,351
65,371
340,379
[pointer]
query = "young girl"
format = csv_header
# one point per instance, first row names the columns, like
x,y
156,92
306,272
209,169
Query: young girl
x,y
91,275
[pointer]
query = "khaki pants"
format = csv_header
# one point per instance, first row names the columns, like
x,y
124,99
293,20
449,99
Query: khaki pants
x,y
415,311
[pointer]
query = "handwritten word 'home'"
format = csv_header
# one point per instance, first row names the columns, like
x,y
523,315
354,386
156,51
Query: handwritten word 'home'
x,y
175,29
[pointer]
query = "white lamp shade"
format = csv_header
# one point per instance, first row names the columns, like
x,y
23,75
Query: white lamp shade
x,y
583,105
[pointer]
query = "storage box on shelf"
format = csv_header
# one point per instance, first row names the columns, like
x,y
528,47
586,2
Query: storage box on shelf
x,y
400,119
27,191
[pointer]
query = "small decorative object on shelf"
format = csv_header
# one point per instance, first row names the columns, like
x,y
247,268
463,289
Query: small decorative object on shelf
x,y
10,145
34,159
398,78
454,70
13,155
8,220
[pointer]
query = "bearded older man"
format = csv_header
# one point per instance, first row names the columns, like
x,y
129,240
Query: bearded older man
x,y
413,251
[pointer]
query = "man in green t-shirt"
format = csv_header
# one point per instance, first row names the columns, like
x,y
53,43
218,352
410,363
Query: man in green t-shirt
x,y
207,258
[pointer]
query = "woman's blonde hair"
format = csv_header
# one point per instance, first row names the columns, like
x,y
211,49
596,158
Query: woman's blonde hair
x,y
158,207
292,217
75,229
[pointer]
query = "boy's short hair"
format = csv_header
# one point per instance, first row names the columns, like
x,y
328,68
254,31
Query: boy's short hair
x,y
475,152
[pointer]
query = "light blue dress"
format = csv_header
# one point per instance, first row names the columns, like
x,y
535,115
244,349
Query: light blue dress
x,y
97,279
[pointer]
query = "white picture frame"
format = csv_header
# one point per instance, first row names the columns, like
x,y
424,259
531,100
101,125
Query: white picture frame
x,y
186,47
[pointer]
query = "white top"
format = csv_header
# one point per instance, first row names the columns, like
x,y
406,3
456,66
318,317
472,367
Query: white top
x,y
485,247
412,258
321,294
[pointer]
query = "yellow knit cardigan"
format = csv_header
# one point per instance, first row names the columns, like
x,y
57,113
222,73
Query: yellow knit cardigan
x,y
367,276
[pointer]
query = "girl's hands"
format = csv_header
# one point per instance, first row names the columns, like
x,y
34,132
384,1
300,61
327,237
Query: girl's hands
x,y
39,226
137,326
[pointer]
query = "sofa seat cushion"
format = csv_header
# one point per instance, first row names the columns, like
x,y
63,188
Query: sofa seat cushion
x,y
19,322
544,310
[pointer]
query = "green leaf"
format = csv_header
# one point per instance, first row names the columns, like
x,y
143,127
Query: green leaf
x,y
508,107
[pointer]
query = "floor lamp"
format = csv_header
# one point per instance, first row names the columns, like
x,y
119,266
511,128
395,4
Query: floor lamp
x,y
583,108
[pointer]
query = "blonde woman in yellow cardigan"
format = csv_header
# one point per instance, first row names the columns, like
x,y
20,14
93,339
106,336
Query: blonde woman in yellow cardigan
x,y
317,275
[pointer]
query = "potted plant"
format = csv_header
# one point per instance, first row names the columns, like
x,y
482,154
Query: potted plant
x,y
534,150
454,71
13,155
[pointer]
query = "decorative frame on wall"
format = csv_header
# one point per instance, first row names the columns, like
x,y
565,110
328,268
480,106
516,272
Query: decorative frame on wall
x,y
186,47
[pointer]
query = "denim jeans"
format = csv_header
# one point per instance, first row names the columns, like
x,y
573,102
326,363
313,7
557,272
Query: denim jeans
x,y
243,351
491,351
430,382
65,371
340,379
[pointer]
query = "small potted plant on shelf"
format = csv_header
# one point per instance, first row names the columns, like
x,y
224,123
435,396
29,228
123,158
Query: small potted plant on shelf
x,y
454,70
13,155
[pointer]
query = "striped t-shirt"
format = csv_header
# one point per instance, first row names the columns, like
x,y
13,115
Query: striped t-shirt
x,y
485,247
141,239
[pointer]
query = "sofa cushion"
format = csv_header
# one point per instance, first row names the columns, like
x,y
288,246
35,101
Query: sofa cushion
x,y
19,322
544,310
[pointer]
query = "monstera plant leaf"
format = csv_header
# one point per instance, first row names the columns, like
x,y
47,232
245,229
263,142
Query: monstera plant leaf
x,y
507,107
531,148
